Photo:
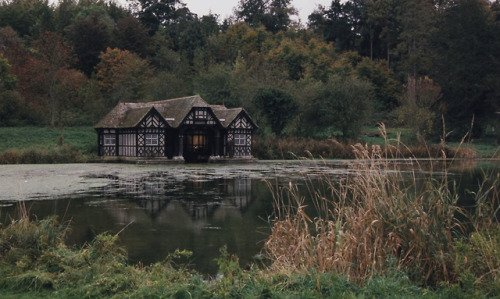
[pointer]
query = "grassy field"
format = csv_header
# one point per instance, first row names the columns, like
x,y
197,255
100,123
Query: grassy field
x,y
372,135
29,145
18,138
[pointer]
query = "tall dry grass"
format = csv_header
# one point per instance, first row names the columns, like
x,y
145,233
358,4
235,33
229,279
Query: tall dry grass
x,y
376,219
287,148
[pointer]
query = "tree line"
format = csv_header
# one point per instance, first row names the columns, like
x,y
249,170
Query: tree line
x,y
419,63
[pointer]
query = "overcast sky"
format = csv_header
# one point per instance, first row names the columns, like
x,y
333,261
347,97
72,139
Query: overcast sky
x,y
224,8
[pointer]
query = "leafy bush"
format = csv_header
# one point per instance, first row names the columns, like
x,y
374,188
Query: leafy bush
x,y
477,260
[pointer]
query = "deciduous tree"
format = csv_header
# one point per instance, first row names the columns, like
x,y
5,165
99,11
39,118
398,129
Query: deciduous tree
x,y
90,36
214,85
27,17
419,107
9,98
55,59
156,13
341,23
277,108
467,64
343,105
122,75
130,34
273,14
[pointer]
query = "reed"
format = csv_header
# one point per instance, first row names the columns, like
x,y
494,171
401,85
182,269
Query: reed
x,y
378,218
270,147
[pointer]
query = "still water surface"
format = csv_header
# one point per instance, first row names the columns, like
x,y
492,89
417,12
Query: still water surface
x,y
159,208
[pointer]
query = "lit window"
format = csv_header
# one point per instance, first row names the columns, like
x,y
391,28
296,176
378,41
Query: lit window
x,y
109,139
198,141
151,139
240,139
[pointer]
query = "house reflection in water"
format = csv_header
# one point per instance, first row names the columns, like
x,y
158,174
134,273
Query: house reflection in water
x,y
235,193
152,206
161,194
239,191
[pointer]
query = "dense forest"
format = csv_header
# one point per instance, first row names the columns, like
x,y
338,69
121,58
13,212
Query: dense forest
x,y
420,64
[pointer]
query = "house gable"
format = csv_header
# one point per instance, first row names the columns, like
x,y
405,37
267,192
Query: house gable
x,y
153,119
200,116
242,121
239,135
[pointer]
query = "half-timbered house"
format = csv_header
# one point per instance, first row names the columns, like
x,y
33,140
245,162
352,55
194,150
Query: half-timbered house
x,y
183,129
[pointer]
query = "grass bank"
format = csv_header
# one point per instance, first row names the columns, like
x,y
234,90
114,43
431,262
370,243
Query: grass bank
x,y
46,145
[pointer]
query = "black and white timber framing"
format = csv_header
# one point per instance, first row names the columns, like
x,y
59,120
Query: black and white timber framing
x,y
182,129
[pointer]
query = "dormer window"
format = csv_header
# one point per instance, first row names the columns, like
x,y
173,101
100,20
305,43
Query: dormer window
x,y
200,114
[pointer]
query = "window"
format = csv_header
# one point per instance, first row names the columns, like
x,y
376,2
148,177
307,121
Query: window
x,y
151,139
200,114
109,139
240,139
197,140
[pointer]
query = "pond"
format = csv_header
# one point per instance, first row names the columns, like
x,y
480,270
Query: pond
x,y
159,208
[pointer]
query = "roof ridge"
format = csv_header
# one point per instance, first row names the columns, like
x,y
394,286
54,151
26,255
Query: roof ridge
x,y
218,106
175,99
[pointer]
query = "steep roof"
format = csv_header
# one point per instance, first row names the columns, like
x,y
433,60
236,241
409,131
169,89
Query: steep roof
x,y
128,115
226,116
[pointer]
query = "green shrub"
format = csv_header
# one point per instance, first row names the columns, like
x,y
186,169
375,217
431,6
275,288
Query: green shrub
x,y
477,259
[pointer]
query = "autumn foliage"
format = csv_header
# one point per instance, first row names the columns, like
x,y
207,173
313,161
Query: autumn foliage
x,y
350,64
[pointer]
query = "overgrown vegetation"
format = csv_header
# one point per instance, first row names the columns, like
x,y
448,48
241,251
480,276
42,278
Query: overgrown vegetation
x,y
32,155
380,219
35,262
380,231
290,148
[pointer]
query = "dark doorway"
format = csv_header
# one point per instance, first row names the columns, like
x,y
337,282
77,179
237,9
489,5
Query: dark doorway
x,y
197,145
